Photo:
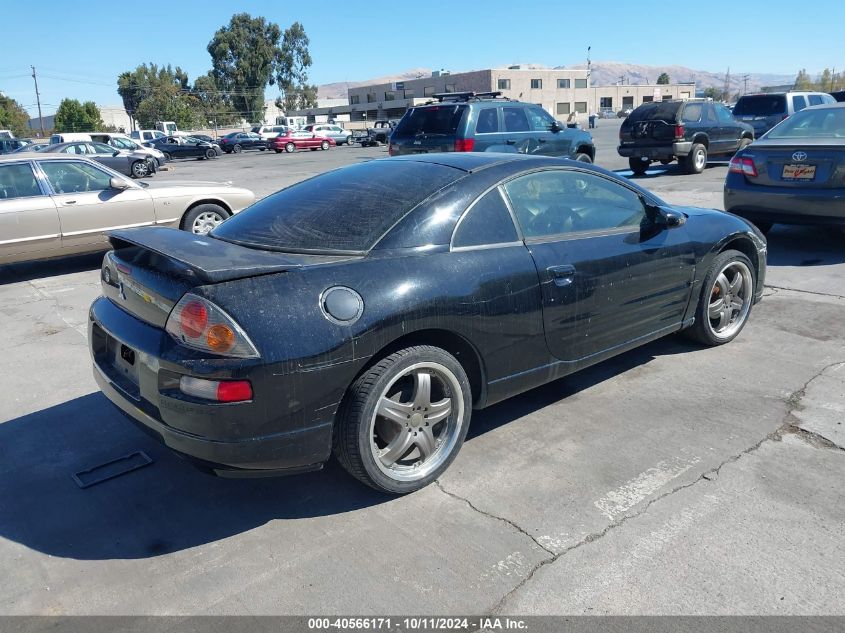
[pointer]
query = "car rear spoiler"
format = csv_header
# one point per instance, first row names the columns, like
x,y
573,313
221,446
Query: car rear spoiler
x,y
213,260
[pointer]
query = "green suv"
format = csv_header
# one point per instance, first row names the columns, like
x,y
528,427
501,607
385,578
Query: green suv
x,y
484,122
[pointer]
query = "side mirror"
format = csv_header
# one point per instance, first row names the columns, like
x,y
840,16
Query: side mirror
x,y
667,216
118,183
555,127
116,153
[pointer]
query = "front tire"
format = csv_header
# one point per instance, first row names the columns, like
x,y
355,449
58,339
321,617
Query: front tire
x,y
349,141
583,158
140,169
237,149
324,145
402,423
210,153
727,295
638,165
203,218
290,148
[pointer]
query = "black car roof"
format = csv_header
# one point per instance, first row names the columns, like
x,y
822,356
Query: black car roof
x,y
466,161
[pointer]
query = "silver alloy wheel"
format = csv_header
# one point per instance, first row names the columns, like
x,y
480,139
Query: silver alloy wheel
x,y
324,145
349,141
140,169
700,159
206,221
411,438
730,300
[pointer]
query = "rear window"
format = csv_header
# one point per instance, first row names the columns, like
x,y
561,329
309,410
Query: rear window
x,y
442,120
760,105
656,111
347,209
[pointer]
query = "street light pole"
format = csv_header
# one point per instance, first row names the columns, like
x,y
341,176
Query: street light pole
x,y
38,101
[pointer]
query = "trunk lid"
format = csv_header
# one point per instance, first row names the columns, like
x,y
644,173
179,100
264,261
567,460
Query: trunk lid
x,y
815,166
650,124
151,268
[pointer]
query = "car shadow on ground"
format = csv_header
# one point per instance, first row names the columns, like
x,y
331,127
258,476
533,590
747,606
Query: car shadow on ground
x,y
27,271
672,169
805,245
169,505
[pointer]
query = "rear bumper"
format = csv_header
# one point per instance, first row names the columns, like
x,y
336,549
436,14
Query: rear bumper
x,y
661,152
244,439
784,204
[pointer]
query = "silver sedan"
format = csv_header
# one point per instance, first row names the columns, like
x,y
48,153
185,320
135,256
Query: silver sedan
x,y
55,204
132,163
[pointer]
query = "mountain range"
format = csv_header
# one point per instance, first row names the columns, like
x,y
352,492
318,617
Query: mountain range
x,y
603,74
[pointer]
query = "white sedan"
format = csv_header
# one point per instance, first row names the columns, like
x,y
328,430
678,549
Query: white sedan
x,y
56,205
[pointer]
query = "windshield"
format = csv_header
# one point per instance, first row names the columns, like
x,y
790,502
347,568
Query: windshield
x,y
440,120
760,105
345,210
829,122
656,111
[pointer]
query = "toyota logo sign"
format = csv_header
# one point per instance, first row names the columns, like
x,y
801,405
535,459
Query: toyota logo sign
x,y
799,156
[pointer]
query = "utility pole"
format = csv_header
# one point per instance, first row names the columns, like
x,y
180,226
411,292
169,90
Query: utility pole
x,y
745,84
38,100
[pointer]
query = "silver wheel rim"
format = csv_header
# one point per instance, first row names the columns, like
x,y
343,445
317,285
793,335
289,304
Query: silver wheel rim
x,y
729,300
140,169
290,147
700,159
206,221
417,422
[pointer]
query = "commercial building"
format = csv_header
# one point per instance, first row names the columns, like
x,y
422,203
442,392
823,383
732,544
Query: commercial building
x,y
560,91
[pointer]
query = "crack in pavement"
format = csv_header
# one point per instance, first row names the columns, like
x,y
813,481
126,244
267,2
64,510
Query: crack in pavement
x,y
439,484
808,292
786,427
80,329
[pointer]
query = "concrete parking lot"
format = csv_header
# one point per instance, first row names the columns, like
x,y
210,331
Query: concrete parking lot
x,y
671,480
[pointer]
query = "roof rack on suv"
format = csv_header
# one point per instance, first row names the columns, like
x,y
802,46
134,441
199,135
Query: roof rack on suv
x,y
465,96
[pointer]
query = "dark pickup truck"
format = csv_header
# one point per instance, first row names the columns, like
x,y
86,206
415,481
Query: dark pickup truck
x,y
689,131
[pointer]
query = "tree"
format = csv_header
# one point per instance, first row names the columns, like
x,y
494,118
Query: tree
x,y
663,79
13,117
73,116
293,63
151,93
213,104
825,81
713,93
803,81
243,57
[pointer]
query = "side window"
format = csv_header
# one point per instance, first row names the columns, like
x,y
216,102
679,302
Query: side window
x,y
559,202
798,102
515,120
487,222
74,177
723,114
692,113
541,121
488,121
18,181
815,99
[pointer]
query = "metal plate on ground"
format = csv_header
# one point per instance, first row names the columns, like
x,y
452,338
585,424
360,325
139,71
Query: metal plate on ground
x,y
111,469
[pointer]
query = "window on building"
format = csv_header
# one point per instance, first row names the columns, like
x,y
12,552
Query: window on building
x,y
428,91
628,102
580,106
536,84
390,96
667,97
409,94
563,108
606,102
354,99
580,83
563,84
647,98
371,97
504,84
450,87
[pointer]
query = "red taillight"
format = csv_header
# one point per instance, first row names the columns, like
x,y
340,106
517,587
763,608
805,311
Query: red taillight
x,y
390,149
743,165
234,391
464,144
679,131
194,319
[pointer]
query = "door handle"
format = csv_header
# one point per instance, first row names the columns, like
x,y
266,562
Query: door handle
x,y
511,141
70,202
562,275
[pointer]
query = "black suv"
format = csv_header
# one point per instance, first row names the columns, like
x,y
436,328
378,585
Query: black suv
x,y
9,145
483,122
688,130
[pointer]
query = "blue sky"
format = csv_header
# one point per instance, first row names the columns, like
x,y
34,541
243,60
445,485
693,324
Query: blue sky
x,y
116,36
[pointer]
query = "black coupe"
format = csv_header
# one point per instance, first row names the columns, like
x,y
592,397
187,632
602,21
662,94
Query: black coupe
x,y
367,311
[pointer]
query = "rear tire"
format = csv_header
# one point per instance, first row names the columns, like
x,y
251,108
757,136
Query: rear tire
x,y
168,156
290,148
582,158
210,153
727,295
324,145
203,218
402,423
237,149
696,160
638,165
